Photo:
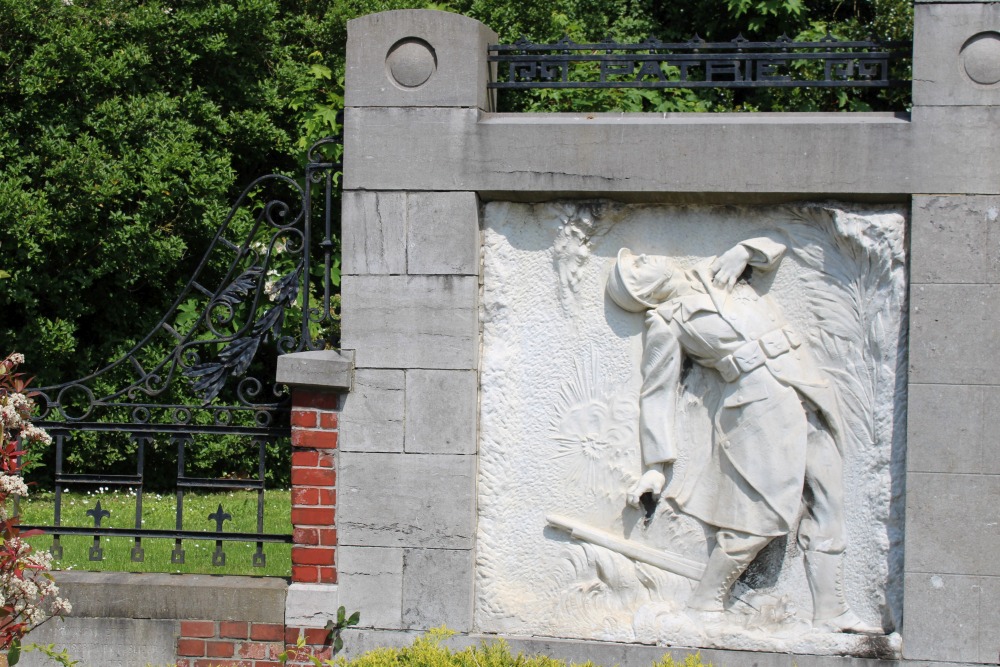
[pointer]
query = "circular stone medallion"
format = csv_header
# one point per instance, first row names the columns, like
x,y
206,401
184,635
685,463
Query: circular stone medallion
x,y
410,62
981,58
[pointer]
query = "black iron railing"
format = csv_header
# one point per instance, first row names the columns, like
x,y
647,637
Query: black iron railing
x,y
206,370
696,63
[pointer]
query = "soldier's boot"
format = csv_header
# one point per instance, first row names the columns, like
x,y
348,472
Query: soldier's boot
x,y
831,612
720,574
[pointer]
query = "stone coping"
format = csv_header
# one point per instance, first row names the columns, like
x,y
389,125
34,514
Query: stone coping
x,y
174,596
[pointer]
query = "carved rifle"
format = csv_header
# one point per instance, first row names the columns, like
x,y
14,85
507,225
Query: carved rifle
x,y
656,557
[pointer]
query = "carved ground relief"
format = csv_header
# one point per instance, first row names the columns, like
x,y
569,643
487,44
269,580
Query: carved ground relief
x,y
692,425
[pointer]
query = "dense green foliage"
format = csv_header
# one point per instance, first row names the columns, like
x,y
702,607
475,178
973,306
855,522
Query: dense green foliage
x,y
128,126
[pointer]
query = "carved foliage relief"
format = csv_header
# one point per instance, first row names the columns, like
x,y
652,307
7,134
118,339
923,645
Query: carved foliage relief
x,y
561,552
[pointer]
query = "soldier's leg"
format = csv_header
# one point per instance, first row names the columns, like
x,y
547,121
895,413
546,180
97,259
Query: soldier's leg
x,y
733,553
822,534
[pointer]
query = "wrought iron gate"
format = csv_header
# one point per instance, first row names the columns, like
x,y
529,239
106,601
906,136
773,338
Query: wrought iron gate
x,y
204,376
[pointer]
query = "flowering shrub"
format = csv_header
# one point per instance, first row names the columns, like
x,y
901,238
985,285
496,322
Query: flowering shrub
x,y
28,596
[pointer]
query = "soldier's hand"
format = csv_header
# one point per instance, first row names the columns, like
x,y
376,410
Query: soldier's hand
x,y
729,266
652,481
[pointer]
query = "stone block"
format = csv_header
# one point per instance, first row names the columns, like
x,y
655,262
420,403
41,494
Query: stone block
x,y
941,617
411,321
374,233
955,239
953,334
406,500
527,155
956,54
945,428
311,605
952,524
319,369
371,582
358,641
739,158
372,418
437,589
417,57
442,408
991,427
442,233
169,596
989,620
109,642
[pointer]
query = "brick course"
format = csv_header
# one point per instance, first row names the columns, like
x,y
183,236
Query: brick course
x,y
235,643
315,419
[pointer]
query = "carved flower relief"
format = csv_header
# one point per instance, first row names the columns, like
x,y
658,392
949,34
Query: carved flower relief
x,y
596,440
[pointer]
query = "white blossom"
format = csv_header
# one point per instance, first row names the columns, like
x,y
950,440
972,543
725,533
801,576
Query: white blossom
x,y
10,417
35,434
12,485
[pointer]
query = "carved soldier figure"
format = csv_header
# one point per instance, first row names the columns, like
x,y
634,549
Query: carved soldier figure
x,y
777,430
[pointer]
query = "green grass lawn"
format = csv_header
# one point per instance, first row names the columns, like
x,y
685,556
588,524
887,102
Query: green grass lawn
x,y
158,512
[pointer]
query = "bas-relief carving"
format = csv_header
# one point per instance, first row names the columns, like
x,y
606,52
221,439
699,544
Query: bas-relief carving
x,y
678,450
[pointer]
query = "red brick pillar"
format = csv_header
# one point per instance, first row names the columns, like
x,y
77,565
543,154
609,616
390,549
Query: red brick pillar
x,y
314,485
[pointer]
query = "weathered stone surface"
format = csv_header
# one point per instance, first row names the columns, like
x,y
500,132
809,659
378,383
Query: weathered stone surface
x,y
949,329
311,605
942,617
442,408
989,620
128,595
406,500
319,369
576,418
418,57
372,418
437,589
558,153
955,239
951,524
108,642
392,233
936,440
371,582
442,233
937,150
374,233
991,426
411,321
943,60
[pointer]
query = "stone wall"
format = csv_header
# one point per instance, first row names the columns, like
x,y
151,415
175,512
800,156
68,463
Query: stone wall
x,y
387,437
423,158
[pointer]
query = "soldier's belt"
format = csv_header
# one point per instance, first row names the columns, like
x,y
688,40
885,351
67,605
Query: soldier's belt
x,y
753,354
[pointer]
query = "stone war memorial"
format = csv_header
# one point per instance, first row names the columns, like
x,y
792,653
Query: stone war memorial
x,y
625,382
614,385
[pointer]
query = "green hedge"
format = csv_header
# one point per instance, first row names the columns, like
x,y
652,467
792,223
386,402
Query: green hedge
x,y
429,651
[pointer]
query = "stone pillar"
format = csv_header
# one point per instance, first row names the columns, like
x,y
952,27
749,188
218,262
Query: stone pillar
x,y
317,381
410,314
952,579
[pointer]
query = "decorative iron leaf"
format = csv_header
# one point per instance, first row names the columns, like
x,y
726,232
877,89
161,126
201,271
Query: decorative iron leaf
x,y
237,290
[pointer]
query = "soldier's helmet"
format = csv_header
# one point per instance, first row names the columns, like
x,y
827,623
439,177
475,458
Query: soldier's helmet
x,y
623,287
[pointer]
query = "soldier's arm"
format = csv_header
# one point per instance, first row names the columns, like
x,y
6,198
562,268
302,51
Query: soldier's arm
x,y
762,253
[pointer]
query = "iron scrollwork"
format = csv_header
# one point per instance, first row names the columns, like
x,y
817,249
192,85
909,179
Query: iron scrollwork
x,y
206,370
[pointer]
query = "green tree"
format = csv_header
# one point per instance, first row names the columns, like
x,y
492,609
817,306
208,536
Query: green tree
x,y
128,126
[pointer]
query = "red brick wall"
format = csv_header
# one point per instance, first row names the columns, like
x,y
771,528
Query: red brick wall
x,y
212,643
242,644
314,486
